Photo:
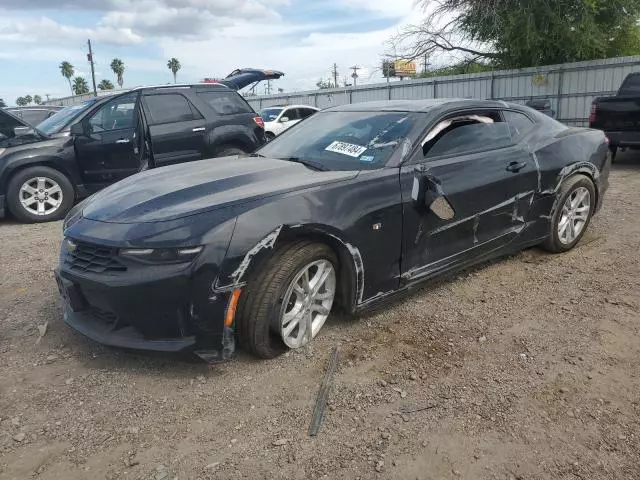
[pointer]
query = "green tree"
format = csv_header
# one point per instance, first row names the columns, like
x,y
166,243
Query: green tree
x,y
117,66
21,102
28,99
37,99
67,71
523,33
80,86
105,85
322,84
174,65
2,103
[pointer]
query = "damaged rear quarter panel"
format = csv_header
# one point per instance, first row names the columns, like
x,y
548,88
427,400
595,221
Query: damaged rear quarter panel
x,y
572,151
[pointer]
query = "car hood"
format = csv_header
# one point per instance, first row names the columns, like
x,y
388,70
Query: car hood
x,y
8,122
177,191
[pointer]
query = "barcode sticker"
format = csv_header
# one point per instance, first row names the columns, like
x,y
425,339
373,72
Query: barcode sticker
x,y
346,149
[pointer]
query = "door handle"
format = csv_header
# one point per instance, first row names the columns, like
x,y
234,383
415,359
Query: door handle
x,y
123,140
515,167
199,129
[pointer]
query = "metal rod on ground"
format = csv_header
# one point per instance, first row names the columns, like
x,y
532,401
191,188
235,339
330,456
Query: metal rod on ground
x,y
323,393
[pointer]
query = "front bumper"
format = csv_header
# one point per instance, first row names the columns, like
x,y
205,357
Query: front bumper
x,y
167,309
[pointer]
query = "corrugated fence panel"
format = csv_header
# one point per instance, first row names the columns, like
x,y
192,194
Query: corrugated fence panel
x,y
570,87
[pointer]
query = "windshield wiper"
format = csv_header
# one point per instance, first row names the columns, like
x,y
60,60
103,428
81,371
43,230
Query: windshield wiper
x,y
256,155
307,163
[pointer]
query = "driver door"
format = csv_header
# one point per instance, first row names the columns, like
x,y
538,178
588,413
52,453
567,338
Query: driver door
x,y
108,151
486,177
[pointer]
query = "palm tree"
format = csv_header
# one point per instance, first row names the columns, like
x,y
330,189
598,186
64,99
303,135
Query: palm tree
x,y
28,99
37,99
117,66
174,66
80,86
67,71
105,85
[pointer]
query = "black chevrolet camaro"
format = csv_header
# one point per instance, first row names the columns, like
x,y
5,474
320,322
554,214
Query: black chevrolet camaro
x,y
347,208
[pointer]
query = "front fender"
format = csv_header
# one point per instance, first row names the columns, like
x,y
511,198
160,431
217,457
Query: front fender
x,y
59,156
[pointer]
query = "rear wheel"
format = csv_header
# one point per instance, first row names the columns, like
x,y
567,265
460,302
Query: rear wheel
x,y
40,194
287,303
576,204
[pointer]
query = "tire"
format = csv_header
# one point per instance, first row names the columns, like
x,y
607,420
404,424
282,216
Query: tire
x,y
269,136
229,152
572,186
261,307
40,211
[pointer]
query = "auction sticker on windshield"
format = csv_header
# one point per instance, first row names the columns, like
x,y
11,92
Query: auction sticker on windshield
x,y
346,149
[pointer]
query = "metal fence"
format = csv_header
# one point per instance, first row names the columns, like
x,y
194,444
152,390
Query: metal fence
x,y
571,87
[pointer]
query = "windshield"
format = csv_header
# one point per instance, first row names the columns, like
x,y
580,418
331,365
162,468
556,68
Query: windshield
x,y
270,114
55,123
344,140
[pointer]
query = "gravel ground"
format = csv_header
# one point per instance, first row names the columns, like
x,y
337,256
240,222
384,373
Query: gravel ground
x,y
524,368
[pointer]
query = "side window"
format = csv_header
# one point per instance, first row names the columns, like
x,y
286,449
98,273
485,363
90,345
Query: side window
x,y
519,124
170,108
115,115
468,136
291,114
306,112
225,103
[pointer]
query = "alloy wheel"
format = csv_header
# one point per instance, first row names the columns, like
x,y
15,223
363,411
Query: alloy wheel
x,y
40,196
574,216
307,303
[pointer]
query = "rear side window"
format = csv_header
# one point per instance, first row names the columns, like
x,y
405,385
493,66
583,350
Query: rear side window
x,y
631,85
225,103
519,124
170,108
461,138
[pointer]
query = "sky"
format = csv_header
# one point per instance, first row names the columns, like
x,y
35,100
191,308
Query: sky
x,y
302,38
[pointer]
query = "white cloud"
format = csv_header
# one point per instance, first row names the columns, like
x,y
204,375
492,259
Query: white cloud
x,y
44,30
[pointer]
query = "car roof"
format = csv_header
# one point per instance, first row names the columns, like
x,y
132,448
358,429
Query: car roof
x,y
419,105
291,106
35,107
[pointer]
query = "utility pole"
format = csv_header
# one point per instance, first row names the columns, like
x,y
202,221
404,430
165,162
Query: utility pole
x,y
354,75
335,75
425,63
268,87
93,72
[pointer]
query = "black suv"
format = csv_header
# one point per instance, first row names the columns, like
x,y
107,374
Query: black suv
x,y
43,173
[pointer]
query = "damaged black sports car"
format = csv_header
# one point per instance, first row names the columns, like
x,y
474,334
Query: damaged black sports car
x,y
347,208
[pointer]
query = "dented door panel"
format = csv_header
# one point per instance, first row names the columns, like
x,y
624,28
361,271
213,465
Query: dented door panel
x,y
491,206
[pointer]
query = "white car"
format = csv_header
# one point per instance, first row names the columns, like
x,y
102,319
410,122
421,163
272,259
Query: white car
x,y
279,118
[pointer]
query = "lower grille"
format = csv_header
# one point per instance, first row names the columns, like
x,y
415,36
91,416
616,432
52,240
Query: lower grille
x,y
94,258
103,316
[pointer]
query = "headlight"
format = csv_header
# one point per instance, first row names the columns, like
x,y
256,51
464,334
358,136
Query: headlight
x,y
161,255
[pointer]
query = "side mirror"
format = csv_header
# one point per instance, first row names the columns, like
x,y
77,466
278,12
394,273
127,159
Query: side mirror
x,y
284,119
427,194
23,131
77,129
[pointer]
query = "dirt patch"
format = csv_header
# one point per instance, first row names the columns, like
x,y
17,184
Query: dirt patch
x,y
524,368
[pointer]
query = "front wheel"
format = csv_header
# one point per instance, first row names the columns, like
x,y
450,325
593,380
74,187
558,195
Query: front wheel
x,y
40,194
287,303
269,136
575,206
230,152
